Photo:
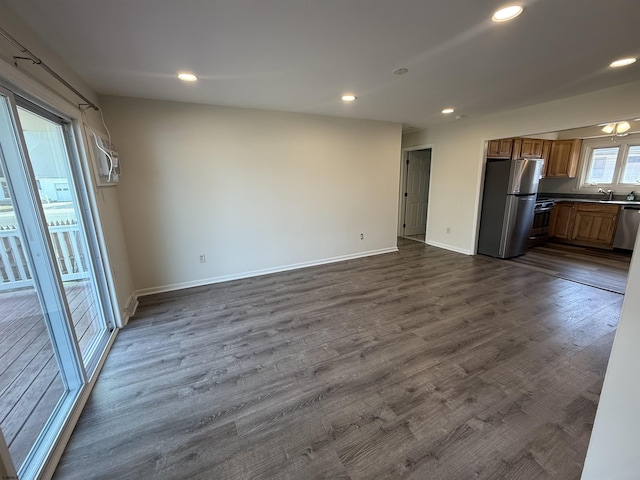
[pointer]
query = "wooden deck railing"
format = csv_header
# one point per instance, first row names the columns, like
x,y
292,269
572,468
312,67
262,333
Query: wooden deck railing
x,y
68,250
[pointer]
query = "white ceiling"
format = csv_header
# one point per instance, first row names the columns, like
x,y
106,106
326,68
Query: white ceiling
x,y
302,55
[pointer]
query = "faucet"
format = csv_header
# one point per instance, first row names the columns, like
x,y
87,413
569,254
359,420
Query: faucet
x,y
608,193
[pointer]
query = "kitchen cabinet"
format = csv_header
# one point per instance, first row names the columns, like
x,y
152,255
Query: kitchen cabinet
x,y
519,148
501,148
546,150
516,148
595,225
562,219
563,158
531,148
587,224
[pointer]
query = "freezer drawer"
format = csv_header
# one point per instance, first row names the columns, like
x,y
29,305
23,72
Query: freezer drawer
x,y
627,228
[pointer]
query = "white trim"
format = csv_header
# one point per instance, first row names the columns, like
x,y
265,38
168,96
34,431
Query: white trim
x,y
129,310
256,273
404,154
81,143
449,247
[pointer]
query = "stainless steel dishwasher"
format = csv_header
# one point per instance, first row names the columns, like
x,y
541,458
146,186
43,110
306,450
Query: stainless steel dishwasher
x,y
627,227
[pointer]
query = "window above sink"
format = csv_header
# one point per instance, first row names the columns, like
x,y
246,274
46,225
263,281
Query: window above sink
x,y
610,162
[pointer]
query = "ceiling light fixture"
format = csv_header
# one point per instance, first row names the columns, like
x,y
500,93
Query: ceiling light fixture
x,y
507,13
623,62
448,110
187,77
400,71
348,98
619,128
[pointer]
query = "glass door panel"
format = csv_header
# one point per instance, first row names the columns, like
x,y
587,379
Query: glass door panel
x,y
49,158
30,382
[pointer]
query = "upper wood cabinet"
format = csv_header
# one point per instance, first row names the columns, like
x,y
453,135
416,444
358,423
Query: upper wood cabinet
x,y
546,150
563,158
501,148
516,149
519,148
531,148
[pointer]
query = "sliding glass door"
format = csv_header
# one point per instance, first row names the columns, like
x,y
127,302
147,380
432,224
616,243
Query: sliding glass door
x,y
52,294
50,163
30,381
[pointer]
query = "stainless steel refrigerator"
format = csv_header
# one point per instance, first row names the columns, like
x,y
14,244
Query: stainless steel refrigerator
x,y
510,188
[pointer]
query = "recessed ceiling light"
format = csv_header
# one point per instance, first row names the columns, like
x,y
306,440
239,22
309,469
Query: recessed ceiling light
x,y
448,110
507,13
623,62
400,71
349,98
187,77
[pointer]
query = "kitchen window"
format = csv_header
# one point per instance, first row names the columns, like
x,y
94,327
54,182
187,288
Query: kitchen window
x,y
608,164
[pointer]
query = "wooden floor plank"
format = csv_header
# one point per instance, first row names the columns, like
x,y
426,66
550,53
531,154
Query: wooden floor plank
x,y
417,364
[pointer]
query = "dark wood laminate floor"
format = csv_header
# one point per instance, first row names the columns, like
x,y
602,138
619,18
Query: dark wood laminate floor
x,y
422,364
591,266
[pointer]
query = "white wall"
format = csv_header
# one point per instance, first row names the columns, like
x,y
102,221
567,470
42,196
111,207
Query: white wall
x,y
255,191
36,82
614,450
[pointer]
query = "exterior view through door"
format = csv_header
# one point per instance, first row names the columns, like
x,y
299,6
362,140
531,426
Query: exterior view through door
x,y
56,316
416,193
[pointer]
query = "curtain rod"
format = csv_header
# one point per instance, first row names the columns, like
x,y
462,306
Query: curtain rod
x,y
49,70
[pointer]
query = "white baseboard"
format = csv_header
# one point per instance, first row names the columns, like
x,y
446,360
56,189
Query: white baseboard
x,y
449,247
256,273
129,309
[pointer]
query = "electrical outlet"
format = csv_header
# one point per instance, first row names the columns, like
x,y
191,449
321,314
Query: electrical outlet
x,y
203,258
448,230
362,236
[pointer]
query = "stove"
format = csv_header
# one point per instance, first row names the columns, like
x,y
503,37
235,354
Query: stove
x,y
541,223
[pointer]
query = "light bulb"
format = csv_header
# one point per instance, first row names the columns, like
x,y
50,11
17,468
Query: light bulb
x,y
507,13
622,127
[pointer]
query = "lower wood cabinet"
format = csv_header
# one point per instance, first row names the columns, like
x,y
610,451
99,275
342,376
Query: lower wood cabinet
x,y
588,224
562,218
595,224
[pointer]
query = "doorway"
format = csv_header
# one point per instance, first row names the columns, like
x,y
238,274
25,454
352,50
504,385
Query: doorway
x,y
56,315
415,194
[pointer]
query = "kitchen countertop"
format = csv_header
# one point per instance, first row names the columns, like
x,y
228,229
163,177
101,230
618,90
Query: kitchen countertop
x,y
590,200
618,199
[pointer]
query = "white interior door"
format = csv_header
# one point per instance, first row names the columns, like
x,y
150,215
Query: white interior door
x,y
417,192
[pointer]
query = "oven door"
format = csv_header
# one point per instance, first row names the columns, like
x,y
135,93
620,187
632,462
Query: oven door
x,y
541,226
